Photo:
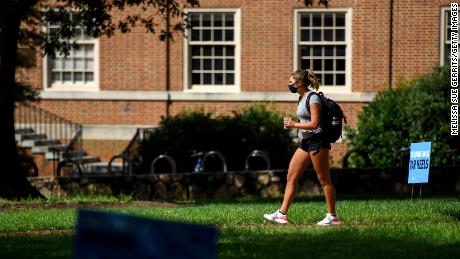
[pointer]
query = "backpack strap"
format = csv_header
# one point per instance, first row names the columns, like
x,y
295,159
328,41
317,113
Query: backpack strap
x,y
307,103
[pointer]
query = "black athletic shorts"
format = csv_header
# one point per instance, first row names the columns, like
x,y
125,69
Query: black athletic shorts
x,y
313,144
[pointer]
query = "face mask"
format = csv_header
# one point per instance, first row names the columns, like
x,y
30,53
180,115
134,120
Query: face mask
x,y
292,88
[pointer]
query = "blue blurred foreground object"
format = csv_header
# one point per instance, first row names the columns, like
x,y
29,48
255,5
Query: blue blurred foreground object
x,y
109,235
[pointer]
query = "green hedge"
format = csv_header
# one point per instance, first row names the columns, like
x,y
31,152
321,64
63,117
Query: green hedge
x,y
256,127
415,111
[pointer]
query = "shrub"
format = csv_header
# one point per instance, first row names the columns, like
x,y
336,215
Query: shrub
x,y
256,127
415,111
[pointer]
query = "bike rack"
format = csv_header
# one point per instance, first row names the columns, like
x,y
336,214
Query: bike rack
x,y
257,153
397,153
219,155
168,158
124,159
68,162
363,154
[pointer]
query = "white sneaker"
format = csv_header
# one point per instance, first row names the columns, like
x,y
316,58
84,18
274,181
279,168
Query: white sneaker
x,y
277,217
329,220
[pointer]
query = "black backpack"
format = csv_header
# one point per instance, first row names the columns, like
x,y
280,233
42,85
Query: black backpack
x,y
331,117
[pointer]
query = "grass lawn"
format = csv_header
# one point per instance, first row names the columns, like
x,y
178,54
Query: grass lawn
x,y
372,227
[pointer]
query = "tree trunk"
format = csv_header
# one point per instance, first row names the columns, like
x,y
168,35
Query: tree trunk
x,y
13,181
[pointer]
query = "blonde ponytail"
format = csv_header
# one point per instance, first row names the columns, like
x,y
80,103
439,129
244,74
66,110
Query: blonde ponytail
x,y
313,79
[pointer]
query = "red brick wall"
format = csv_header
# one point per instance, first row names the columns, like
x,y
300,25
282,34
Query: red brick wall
x,y
136,61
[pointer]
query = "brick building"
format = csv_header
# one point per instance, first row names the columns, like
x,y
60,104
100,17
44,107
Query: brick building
x,y
240,52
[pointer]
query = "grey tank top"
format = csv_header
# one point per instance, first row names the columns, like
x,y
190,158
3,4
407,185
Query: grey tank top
x,y
304,116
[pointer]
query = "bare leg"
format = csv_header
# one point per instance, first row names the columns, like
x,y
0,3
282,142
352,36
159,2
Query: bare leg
x,y
299,162
321,165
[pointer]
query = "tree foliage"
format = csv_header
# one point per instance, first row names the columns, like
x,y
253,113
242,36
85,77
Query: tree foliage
x,y
415,111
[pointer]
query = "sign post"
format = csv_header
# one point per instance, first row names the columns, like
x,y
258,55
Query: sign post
x,y
419,164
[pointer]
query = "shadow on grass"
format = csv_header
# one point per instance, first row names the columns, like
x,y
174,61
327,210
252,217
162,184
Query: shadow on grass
x,y
338,243
340,197
36,246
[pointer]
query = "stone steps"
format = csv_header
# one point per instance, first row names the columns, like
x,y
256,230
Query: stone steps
x,y
47,152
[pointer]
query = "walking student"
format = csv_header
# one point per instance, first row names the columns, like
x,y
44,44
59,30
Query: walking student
x,y
313,148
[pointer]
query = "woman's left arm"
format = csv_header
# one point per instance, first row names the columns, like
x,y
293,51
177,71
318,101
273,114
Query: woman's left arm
x,y
310,125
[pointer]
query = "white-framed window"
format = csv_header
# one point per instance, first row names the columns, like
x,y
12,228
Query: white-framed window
x,y
445,42
212,51
322,42
77,71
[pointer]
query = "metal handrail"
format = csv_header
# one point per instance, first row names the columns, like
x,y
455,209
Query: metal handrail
x,y
258,153
52,127
131,151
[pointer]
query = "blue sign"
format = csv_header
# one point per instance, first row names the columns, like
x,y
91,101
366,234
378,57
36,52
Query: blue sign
x,y
108,235
419,162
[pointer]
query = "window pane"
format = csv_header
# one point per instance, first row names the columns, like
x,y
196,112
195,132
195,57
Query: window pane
x,y
77,33
206,35
78,77
68,63
329,64
340,64
317,19
230,51
229,79
206,20
449,32
55,77
340,19
316,35
340,35
447,54
328,79
78,63
305,35
304,64
229,64
448,18
89,49
217,20
207,65
196,51
218,79
305,20
196,78
207,78
89,64
207,51
340,50
328,50
317,65
218,64
89,77
229,20
317,51
195,20
305,51
67,77
196,64
328,35
218,51
56,63
196,35
218,35
229,35
340,79
78,52
328,19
